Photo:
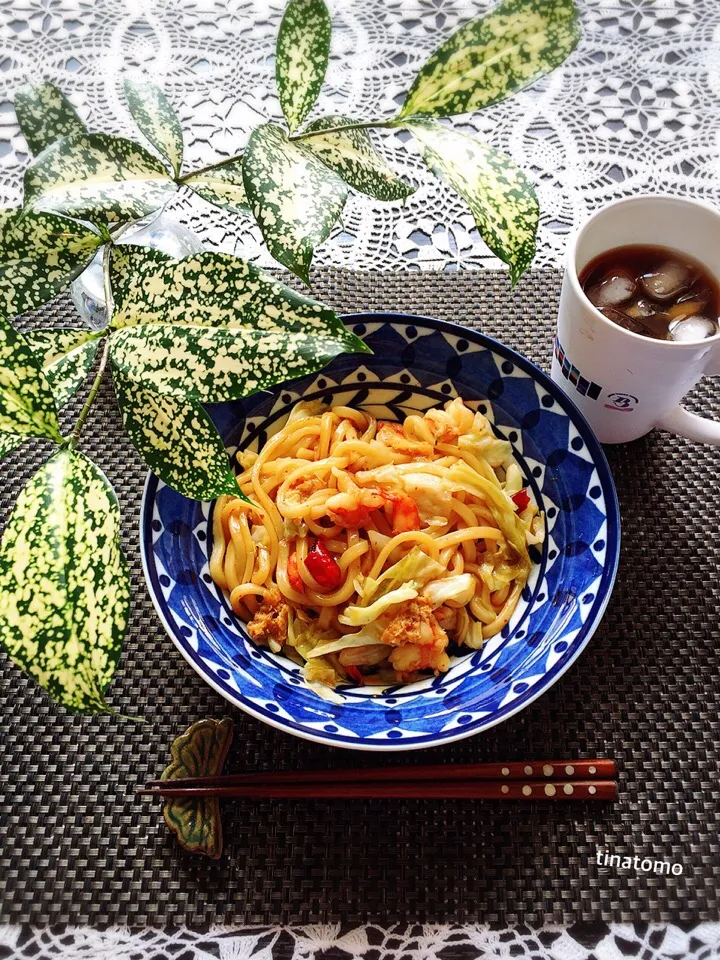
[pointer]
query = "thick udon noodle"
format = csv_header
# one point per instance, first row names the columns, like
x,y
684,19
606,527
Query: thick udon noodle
x,y
371,547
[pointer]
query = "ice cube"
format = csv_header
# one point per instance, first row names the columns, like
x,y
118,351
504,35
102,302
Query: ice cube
x,y
667,281
698,290
613,289
693,328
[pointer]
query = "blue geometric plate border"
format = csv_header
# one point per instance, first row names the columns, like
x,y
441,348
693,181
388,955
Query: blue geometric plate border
x,y
417,363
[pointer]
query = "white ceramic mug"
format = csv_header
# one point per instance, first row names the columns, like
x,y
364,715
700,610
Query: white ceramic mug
x,y
623,383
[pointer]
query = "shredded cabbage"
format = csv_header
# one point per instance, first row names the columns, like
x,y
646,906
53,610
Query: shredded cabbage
x,y
536,531
487,446
294,528
377,540
352,646
304,637
246,458
319,671
513,479
474,636
415,569
358,616
501,506
306,409
498,571
368,636
462,623
460,588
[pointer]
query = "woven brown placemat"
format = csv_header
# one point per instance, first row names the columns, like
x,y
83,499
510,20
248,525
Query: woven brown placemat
x,y
77,847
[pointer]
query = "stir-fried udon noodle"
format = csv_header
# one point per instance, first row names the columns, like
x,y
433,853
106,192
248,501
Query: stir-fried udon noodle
x,y
373,549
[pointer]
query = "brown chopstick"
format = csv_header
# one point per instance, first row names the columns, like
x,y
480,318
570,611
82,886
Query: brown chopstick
x,y
417,790
517,770
562,780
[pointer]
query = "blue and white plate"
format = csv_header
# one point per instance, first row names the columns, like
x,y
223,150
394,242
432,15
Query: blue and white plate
x,y
416,364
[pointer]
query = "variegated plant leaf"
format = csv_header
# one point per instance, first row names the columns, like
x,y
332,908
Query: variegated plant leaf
x,y
494,56
10,442
213,290
65,357
45,114
295,198
223,186
177,440
26,401
154,114
40,254
351,154
131,264
301,57
500,196
220,363
199,752
97,176
64,583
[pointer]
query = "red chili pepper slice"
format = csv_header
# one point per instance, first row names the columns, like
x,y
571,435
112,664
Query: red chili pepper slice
x,y
323,567
354,673
521,499
296,581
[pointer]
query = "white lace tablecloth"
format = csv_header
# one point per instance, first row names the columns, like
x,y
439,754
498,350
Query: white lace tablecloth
x,y
408,942
637,108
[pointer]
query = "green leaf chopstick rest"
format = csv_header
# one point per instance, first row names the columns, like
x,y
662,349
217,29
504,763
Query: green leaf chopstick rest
x,y
199,752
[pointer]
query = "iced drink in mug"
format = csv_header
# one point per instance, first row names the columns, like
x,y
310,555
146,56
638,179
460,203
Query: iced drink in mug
x,y
638,320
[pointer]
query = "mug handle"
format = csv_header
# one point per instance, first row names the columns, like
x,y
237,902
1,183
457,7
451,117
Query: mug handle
x,y
685,424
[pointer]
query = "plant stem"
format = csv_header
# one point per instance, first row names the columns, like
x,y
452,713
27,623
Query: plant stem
x,y
106,280
360,125
77,429
210,166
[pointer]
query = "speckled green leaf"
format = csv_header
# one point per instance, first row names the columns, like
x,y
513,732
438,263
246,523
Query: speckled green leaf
x,y
500,196
154,114
131,264
26,401
301,57
97,176
212,290
353,157
177,440
45,114
295,198
40,254
222,186
220,363
199,752
64,584
9,442
494,56
66,357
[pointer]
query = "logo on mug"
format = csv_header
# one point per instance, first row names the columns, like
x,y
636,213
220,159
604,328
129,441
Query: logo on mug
x,y
623,402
